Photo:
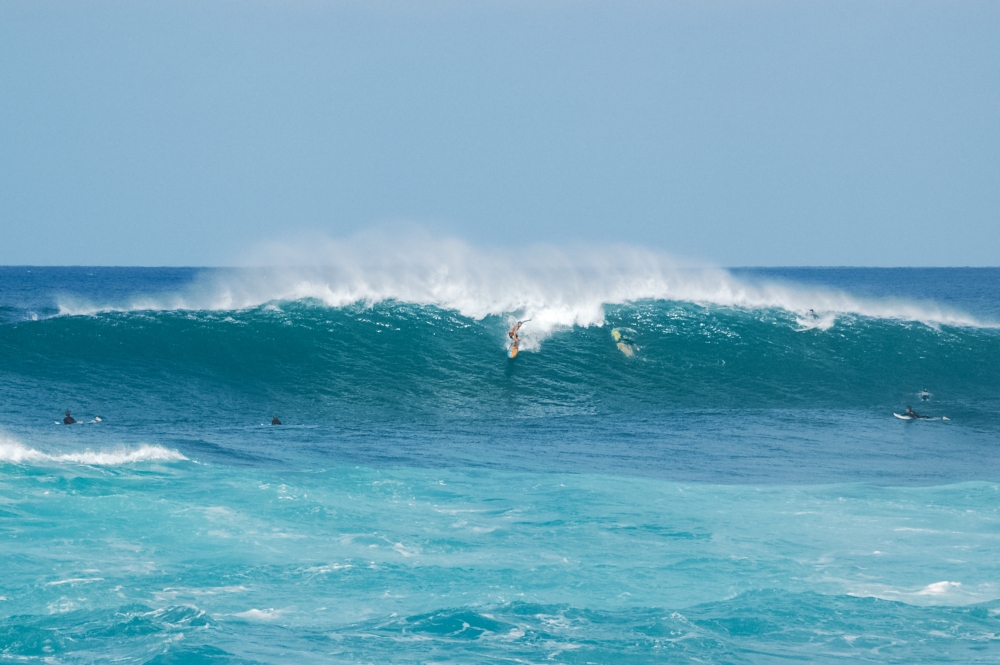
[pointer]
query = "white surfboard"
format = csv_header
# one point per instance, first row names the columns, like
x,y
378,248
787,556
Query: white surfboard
x,y
902,417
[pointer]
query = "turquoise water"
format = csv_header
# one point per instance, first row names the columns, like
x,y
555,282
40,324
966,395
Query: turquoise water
x,y
736,491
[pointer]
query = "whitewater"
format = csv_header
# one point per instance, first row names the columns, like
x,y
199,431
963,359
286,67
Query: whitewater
x,y
734,490
555,288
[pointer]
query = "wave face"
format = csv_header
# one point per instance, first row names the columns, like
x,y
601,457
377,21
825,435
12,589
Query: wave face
x,y
682,464
393,359
713,382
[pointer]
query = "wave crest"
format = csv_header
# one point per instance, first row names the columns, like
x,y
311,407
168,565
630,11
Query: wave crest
x,y
555,288
14,452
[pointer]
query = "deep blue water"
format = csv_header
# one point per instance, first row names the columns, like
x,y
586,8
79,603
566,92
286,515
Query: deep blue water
x,y
731,486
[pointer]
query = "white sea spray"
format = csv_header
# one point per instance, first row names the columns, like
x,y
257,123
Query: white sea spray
x,y
554,287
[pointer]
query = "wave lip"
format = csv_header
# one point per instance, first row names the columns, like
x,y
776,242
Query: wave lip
x,y
14,452
555,288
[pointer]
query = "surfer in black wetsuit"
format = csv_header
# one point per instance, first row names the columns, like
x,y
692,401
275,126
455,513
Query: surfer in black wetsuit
x,y
913,414
68,420
275,421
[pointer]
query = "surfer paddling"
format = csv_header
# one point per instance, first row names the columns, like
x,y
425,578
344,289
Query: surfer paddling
x,y
913,414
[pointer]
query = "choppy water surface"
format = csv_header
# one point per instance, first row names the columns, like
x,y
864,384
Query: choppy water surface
x,y
735,490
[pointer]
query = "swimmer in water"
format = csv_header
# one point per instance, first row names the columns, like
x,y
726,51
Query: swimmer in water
x,y
275,421
68,420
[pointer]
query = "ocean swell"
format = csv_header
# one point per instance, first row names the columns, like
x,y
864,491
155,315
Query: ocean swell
x,y
555,288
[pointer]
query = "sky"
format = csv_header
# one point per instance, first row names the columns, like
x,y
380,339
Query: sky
x,y
762,133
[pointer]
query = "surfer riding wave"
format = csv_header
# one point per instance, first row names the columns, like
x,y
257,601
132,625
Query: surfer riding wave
x,y
516,339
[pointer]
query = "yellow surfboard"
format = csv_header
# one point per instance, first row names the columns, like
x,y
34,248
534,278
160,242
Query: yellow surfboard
x,y
513,352
621,342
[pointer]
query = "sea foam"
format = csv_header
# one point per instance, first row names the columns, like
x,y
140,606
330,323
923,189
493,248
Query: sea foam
x,y
554,287
15,452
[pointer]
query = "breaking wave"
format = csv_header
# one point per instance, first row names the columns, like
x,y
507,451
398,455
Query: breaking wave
x,y
14,452
555,288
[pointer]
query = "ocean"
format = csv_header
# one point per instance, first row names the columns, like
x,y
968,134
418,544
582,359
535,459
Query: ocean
x,y
682,465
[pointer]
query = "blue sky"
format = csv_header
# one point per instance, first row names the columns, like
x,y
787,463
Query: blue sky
x,y
759,133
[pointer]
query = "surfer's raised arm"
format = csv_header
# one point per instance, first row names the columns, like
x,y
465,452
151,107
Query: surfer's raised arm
x,y
513,331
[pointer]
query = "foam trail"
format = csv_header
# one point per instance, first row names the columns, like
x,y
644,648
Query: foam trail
x,y
813,321
555,288
936,593
14,452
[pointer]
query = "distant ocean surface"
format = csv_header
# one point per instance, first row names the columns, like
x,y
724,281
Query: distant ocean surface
x,y
730,486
